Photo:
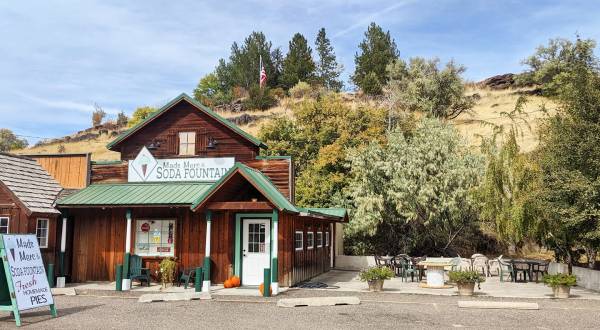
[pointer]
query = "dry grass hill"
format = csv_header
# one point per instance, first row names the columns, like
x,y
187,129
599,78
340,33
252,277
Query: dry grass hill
x,y
490,106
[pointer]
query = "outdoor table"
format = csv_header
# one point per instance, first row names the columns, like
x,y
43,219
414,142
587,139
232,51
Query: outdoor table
x,y
529,262
387,260
435,272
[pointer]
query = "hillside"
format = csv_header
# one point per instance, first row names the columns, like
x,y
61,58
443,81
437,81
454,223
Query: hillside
x,y
489,107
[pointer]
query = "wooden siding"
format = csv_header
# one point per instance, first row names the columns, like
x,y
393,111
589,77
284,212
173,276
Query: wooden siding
x,y
277,170
20,223
71,171
184,117
109,173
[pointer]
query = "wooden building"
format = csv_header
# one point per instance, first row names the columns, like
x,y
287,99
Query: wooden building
x,y
27,197
191,185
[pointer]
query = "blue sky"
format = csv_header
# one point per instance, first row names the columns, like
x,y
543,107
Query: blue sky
x,y
59,58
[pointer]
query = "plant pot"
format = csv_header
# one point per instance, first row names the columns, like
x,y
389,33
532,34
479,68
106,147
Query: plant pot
x,y
465,289
561,291
375,285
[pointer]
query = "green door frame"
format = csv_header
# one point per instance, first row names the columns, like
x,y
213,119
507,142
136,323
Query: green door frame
x,y
274,217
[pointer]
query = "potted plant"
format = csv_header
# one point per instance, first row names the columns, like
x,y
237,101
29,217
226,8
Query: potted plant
x,y
375,276
167,271
465,281
561,284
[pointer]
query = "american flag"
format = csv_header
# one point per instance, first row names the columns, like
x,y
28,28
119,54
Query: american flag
x,y
263,74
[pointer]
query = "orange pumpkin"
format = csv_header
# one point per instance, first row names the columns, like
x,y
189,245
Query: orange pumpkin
x,y
227,284
261,289
235,281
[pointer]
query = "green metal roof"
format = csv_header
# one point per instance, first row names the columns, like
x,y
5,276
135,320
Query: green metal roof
x,y
179,193
197,104
337,212
258,180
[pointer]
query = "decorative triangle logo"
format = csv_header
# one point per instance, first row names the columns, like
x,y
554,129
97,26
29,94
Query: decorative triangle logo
x,y
144,164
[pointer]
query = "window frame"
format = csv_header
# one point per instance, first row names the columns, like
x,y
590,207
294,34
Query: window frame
x,y
155,255
37,228
187,143
320,241
326,238
7,224
296,248
310,240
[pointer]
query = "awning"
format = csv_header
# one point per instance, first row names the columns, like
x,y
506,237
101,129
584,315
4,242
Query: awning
x,y
136,194
329,212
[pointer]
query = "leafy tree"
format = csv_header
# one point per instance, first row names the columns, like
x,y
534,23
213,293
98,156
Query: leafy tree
x,y
9,141
555,59
327,69
259,98
210,92
318,139
569,158
415,192
122,119
421,85
298,64
140,114
506,190
98,115
377,50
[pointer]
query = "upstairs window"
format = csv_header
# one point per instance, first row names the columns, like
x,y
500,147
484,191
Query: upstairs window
x,y
3,225
187,143
41,232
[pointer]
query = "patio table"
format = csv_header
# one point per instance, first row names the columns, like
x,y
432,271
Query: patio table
x,y
435,272
529,262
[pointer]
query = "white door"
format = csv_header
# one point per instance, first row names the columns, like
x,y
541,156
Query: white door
x,y
255,250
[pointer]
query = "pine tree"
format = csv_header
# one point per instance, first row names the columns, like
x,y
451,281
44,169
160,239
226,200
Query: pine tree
x,y
328,70
244,61
298,64
377,50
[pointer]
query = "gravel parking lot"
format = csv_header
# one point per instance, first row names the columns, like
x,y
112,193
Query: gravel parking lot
x,y
376,311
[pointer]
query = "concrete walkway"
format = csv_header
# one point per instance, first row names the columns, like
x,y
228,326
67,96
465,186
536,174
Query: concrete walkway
x,y
157,288
340,280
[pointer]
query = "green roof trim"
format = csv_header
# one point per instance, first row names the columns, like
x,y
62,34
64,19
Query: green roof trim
x,y
124,194
273,157
258,180
106,162
197,104
337,212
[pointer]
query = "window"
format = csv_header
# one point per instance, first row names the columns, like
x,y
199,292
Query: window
x,y
299,240
155,238
256,238
187,143
326,238
3,225
320,239
41,231
310,240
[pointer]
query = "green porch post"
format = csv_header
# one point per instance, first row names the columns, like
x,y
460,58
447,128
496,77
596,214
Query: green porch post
x,y
206,268
126,281
274,250
238,247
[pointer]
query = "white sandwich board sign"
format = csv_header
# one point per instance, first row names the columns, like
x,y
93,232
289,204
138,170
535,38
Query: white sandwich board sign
x,y
27,270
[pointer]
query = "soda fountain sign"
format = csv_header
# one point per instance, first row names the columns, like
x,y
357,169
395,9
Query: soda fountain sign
x,y
145,168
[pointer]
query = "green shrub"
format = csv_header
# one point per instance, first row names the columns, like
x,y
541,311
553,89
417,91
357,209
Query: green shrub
x,y
376,273
560,279
464,277
300,90
167,271
277,93
259,99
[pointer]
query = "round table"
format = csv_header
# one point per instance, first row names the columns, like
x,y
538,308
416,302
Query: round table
x,y
435,273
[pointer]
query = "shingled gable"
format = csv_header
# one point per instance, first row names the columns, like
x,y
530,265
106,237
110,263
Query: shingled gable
x,y
29,184
201,107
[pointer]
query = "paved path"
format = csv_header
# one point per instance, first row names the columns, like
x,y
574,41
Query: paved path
x,y
375,311
348,281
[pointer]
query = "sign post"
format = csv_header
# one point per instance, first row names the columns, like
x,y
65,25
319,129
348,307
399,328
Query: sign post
x,y
23,282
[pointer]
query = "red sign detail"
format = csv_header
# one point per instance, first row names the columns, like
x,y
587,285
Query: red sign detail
x,y
145,227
